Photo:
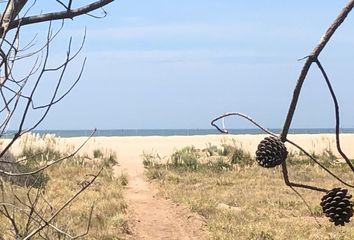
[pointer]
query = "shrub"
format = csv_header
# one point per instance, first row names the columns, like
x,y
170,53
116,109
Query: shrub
x,y
211,150
27,164
123,179
97,153
155,173
218,165
187,157
241,157
151,159
110,159
226,150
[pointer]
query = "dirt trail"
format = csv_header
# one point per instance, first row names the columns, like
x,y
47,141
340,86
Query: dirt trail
x,y
153,217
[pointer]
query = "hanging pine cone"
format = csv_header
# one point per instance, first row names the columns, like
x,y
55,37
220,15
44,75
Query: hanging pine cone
x,y
337,206
271,152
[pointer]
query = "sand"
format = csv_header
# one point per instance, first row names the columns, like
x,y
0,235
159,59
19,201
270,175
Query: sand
x,y
152,217
130,149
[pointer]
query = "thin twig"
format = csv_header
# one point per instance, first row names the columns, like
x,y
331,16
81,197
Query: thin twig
x,y
306,204
319,164
34,232
67,14
213,122
336,108
284,168
52,163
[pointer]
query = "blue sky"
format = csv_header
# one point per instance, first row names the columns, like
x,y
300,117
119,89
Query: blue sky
x,y
179,64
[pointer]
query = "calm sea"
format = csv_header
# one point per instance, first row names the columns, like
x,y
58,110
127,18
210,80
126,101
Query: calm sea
x,y
178,132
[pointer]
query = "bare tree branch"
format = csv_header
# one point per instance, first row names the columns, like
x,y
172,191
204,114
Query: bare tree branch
x,y
68,14
19,94
47,222
313,57
310,59
47,165
11,11
336,109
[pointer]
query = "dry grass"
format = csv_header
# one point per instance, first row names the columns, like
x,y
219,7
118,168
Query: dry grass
x,y
246,201
109,220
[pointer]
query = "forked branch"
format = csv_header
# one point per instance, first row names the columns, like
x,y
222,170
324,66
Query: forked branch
x,y
312,58
69,13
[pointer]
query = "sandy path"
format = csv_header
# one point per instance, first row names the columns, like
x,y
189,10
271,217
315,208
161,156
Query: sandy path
x,y
155,218
152,217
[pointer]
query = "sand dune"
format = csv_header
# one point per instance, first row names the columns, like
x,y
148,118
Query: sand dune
x,y
133,147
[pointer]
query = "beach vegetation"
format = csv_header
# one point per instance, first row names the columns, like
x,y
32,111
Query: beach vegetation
x,y
186,157
123,179
101,208
110,159
97,153
240,200
151,159
240,157
217,158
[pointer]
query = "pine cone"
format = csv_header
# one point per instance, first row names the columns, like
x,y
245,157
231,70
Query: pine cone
x,y
337,206
271,152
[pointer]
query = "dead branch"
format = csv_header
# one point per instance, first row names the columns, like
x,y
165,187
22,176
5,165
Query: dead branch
x,y
312,58
69,13
47,222
18,101
336,109
54,162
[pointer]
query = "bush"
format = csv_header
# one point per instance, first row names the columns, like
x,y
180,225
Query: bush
x,y
226,150
187,158
110,159
239,156
211,158
211,150
123,179
327,158
97,153
151,159
218,165
29,164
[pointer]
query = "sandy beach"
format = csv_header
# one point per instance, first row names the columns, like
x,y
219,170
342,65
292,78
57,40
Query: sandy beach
x,y
129,150
153,217
133,147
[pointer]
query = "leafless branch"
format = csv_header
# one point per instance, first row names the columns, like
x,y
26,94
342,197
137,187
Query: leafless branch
x,y
213,122
336,108
287,181
310,59
47,222
19,93
67,14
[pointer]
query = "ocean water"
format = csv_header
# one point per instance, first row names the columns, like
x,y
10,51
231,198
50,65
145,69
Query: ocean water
x,y
177,132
